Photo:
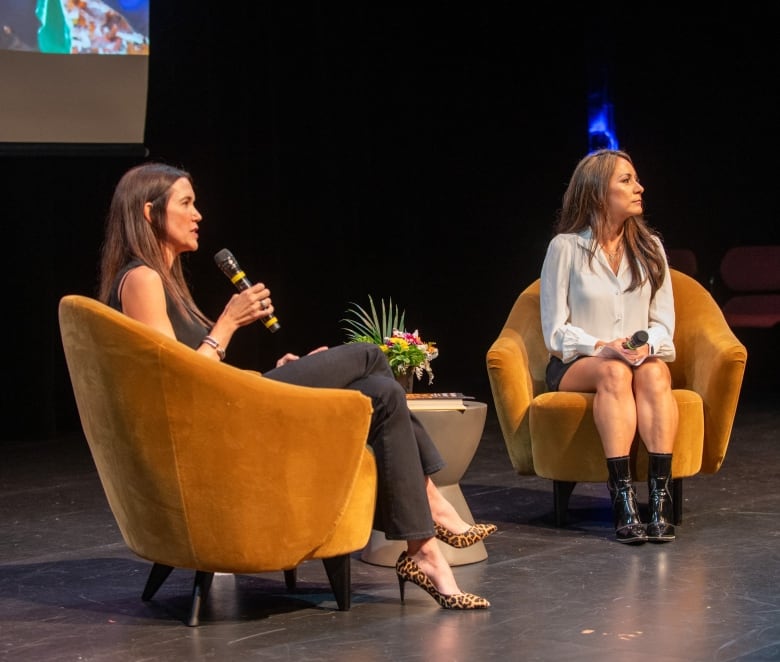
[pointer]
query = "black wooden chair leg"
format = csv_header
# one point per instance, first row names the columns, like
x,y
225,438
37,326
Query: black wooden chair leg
x,y
562,490
677,499
291,578
200,591
158,574
339,573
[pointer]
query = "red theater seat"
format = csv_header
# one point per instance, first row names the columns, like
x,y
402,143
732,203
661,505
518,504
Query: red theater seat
x,y
751,275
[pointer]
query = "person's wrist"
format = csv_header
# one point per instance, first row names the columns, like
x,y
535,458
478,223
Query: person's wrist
x,y
215,345
225,326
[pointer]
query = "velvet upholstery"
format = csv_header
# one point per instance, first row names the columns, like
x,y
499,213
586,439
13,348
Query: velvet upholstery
x,y
209,467
553,435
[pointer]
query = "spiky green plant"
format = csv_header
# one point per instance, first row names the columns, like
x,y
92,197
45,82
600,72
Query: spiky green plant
x,y
363,326
406,352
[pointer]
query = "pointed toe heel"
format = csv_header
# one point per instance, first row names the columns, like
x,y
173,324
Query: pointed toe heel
x,y
472,536
408,571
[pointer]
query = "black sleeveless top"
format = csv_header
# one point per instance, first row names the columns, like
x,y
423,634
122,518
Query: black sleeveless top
x,y
188,328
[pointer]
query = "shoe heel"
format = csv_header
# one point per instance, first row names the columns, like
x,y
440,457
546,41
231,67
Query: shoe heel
x,y
408,570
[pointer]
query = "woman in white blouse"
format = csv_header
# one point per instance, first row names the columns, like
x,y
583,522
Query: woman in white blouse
x,y
604,277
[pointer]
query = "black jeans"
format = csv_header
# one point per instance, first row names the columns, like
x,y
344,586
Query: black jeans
x,y
404,451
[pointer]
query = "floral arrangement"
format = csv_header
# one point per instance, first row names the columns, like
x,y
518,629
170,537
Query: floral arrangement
x,y
407,353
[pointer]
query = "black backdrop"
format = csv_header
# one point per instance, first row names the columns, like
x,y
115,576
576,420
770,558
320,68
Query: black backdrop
x,y
405,152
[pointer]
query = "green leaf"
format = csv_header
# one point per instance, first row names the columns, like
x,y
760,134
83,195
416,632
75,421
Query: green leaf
x,y
363,326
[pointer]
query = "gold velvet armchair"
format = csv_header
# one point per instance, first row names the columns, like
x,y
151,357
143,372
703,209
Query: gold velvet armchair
x,y
553,435
213,468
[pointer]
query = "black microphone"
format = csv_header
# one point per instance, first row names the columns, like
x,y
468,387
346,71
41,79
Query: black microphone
x,y
637,340
227,262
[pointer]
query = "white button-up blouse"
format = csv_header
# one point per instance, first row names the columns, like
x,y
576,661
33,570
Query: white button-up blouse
x,y
584,302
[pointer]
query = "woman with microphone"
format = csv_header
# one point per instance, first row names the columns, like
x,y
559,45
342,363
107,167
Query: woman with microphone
x,y
604,277
152,221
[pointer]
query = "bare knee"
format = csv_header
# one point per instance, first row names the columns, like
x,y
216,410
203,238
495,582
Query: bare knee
x,y
615,378
652,378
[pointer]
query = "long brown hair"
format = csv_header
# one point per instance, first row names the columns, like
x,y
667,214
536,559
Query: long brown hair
x,y
128,235
584,205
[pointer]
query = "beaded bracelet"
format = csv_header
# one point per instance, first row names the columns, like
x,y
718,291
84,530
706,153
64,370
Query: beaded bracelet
x,y
211,342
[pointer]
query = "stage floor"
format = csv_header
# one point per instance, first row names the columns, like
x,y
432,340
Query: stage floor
x,y
71,591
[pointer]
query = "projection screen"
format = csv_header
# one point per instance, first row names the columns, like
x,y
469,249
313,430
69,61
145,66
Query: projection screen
x,y
73,72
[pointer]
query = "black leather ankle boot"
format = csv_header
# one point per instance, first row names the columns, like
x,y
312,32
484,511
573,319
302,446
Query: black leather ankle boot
x,y
628,526
660,527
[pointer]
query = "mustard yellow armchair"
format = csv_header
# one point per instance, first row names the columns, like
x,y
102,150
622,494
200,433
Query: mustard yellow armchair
x,y
553,435
213,468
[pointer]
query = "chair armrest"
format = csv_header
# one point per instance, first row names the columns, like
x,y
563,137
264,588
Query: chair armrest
x,y
713,366
512,388
717,377
289,455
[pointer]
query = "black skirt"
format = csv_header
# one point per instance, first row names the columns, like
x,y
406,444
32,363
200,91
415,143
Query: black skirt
x,y
556,369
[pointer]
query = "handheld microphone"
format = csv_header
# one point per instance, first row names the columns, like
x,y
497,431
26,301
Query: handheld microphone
x,y
227,262
638,339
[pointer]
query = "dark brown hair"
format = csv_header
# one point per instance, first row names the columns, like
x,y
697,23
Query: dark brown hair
x,y
128,235
584,205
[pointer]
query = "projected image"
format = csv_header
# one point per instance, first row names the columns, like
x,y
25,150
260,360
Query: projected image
x,y
75,26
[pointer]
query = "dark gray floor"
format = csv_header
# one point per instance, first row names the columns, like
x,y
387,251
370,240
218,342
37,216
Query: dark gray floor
x,y
70,590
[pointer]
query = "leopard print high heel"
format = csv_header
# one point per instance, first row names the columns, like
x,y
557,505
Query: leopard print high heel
x,y
408,571
470,537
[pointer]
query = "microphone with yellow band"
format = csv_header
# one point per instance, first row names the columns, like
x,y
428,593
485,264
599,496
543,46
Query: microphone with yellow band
x,y
227,262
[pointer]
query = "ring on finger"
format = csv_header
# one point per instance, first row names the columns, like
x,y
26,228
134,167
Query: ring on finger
x,y
264,304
